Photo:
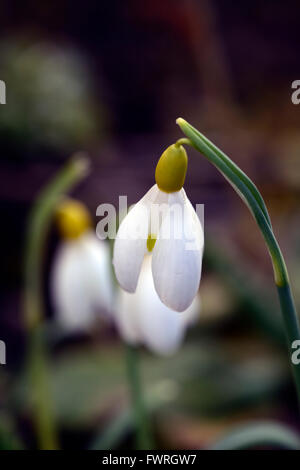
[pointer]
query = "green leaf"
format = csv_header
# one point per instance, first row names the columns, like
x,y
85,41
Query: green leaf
x,y
259,434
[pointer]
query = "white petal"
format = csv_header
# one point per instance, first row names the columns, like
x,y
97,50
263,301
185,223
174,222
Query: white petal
x,y
142,318
81,282
131,242
158,209
73,307
192,313
177,255
126,317
95,255
161,328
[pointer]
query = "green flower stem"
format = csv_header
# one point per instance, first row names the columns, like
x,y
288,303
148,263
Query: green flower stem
x,y
144,441
228,162
125,421
291,322
182,141
258,434
253,199
137,414
38,227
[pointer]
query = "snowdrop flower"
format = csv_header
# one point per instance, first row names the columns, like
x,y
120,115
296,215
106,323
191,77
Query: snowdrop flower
x,y
80,279
142,318
164,223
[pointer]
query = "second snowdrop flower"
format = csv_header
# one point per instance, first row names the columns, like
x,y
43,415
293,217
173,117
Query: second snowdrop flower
x,y
81,280
164,223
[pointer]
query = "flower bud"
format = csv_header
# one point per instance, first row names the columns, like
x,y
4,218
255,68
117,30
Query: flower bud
x,y
72,218
171,169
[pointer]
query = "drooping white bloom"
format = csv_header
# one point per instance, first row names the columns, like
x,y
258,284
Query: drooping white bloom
x,y
81,281
170,219
142,318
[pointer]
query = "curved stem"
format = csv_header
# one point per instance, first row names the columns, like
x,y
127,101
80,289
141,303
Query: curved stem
x,y
182,141
142,428
38,226
253,199
243,190
258,434
230,164
291,322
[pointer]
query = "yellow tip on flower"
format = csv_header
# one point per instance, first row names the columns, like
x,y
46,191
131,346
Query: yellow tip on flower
x,y
151,240
171,169
72,219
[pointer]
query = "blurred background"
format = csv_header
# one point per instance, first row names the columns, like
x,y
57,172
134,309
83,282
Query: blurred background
x,y
110,78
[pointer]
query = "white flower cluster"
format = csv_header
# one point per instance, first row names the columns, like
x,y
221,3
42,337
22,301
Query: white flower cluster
x,y
157,260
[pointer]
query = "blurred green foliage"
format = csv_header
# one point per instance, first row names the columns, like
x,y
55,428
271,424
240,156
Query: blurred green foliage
x,y
203,379
50,97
